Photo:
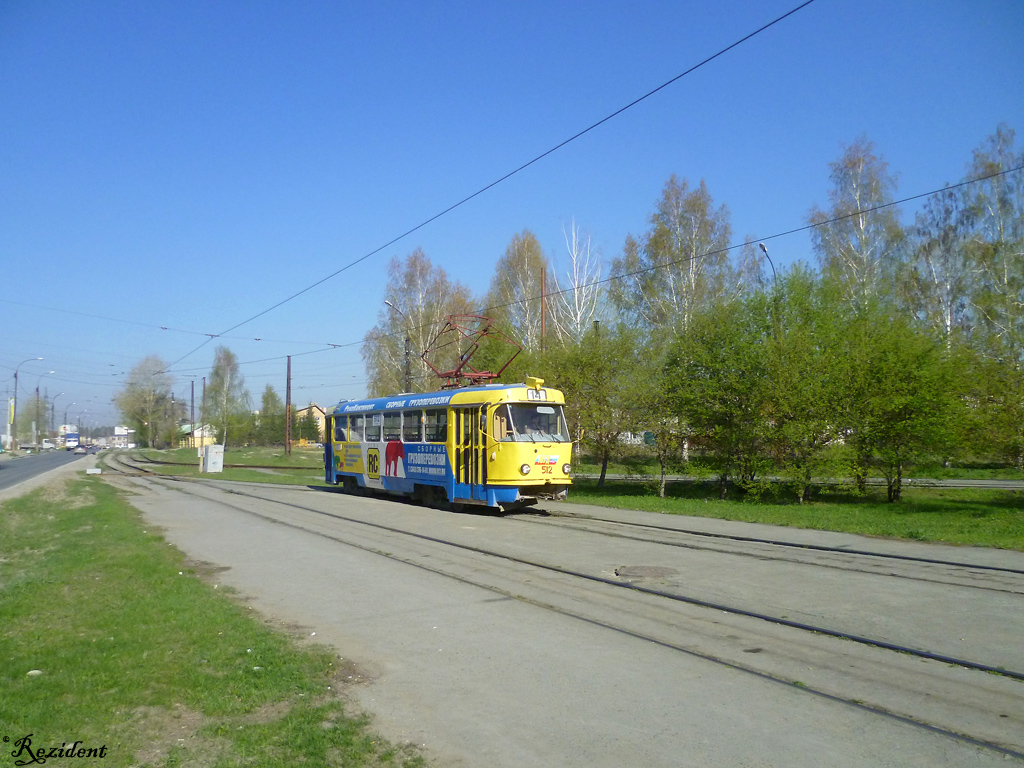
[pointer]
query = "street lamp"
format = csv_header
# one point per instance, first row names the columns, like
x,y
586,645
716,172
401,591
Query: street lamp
x,y
764,249
35,436
408,343
53,409
14,418
66,413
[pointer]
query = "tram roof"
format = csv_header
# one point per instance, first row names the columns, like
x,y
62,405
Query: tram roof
x,y
417,399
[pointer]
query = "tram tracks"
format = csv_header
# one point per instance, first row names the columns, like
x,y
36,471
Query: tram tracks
x,y
932,691
964,574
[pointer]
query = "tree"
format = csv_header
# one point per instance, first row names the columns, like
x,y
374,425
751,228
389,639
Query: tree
x,y
516,297
271,422
718,370
680,265
806,370
32,419
998,244
995,408
902,404
576,303
997,249
226,396
650,407
306,427
418,297
937,282
145,401
856,241
594,375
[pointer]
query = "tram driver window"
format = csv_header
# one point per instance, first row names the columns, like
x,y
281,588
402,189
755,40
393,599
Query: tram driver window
x,y
340,428
538,423
437,426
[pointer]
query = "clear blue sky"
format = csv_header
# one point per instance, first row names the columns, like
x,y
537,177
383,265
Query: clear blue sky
x,y
187,164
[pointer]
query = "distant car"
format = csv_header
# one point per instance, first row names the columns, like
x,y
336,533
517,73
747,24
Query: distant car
x,y
80,449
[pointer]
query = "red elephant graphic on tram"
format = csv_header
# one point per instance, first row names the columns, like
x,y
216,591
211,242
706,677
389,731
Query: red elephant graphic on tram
x,y
393,452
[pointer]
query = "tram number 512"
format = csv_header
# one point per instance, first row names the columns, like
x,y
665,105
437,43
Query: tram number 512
x,y
373,464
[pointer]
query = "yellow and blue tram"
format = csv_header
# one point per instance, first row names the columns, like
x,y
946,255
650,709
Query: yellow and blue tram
x,y
496,445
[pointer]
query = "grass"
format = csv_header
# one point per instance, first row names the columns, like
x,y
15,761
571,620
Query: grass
x,y
132,650
303,467
273,456
989,518
640,466
980,517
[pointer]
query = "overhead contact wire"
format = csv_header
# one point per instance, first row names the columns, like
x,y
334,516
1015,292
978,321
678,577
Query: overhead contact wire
x,y
507,176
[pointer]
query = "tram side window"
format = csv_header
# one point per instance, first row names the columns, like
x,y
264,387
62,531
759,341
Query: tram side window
x,y
392,426
412,426
340,428
437,426
373,422
355,428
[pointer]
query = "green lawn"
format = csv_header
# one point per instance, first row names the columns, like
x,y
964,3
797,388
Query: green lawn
x,y
263,456
109,637
987,518
979,517
642,466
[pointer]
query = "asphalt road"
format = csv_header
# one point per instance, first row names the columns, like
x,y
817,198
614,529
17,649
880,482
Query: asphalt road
x,y
14,471
489,661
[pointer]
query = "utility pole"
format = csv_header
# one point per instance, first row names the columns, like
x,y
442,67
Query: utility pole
x,y
14,413
543,305
408,348
408,364
288,411
192,416
202,414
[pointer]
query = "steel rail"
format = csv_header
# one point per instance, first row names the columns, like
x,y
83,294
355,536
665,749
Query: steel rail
x,y
855,703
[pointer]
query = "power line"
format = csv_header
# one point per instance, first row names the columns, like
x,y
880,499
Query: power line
x,y
498,181
717,251
662,265
157,327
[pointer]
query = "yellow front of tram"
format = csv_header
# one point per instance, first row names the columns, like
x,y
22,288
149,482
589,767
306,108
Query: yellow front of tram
x,y
529,446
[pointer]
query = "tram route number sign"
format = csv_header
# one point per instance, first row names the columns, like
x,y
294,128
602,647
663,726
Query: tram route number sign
x,y
373,464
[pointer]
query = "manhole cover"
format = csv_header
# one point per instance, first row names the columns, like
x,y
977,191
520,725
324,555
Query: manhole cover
x,y
644,572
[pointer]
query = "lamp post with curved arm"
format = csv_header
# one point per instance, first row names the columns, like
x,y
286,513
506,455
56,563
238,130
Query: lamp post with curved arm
x,y
53,410
14,417
764,250
35,436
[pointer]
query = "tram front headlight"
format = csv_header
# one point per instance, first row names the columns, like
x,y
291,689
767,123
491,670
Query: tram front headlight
x,y
524,469
566,468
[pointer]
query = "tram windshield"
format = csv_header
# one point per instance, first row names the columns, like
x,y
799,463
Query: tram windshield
x,y
528,423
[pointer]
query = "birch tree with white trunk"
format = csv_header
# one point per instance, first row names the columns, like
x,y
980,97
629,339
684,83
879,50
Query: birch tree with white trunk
x,y
417,299
857,241
680,265
515,298
577,296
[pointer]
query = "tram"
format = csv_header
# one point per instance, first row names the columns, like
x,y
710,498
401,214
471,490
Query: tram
x,y
503,446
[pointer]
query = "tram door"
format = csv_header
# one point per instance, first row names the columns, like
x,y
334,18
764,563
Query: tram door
x,y
470,453
329,476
